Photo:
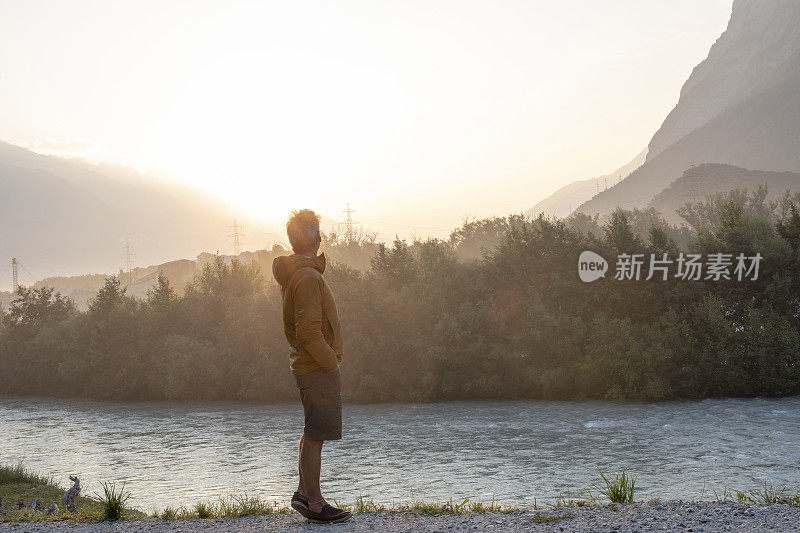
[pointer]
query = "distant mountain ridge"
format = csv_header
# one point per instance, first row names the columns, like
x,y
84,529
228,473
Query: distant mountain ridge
x,y
566,199
71,217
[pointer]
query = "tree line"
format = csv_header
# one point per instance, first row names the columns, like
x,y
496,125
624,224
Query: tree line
x,y
496,311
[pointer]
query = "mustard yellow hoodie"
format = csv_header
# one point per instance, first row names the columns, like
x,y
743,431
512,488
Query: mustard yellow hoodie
x,y
310,319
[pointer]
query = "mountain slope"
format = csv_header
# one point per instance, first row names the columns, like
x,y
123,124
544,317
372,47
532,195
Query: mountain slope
x,y
762,132
741,106
761,36
70,217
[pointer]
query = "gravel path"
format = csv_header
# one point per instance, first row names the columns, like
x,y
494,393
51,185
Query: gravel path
x,y
666,516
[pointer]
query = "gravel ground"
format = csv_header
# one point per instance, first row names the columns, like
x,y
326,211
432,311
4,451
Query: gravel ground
x,y
666,516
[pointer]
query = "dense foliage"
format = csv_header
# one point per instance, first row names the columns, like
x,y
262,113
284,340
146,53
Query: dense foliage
x,y
496,311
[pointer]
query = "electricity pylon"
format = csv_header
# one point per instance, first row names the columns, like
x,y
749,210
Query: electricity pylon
x,y
237,237
15,273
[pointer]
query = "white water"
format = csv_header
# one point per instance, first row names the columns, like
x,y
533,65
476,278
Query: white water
x,y
177,454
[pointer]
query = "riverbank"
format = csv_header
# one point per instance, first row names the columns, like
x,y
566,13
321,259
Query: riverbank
x,y
768,509
662,516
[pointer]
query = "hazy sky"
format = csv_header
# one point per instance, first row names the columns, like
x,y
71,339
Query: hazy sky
x,y
417,112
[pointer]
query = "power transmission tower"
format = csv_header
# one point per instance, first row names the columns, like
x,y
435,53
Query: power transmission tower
x,y
694,183
15,273
349,231
237,236
129,261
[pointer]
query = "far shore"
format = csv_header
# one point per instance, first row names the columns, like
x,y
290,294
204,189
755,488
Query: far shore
x,y
294,402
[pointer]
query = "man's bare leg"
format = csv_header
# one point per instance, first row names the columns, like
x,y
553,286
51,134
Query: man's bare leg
x,y
301,487
309,465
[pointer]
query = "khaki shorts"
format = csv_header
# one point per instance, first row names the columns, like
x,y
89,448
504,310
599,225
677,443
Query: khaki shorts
x,y
321,394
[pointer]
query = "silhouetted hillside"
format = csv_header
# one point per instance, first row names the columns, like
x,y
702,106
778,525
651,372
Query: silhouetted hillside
x,y
71,217
708,179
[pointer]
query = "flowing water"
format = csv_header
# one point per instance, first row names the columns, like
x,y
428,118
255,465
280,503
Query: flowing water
x,y
175,454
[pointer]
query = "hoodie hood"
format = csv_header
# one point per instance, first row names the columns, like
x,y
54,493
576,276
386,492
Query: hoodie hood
x,y
284,267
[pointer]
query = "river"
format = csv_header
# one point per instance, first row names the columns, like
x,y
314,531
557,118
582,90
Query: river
x,y
175,454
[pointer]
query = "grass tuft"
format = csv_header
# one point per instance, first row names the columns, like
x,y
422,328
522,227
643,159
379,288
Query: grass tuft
x,y
618,489
230,507
19,474
420,507
567,501
203,510
169,513
113,501
253,506
364,506
492,507
769,495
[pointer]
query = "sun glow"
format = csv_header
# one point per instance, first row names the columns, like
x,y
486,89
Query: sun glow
x,y
415,113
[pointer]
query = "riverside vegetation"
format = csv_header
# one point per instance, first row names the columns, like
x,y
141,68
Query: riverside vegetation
x,y
496,311
19,485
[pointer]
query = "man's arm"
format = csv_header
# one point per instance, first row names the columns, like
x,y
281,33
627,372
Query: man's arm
x,y
308,322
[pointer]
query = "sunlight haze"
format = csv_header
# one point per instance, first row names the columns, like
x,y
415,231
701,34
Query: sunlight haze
x,y
417,113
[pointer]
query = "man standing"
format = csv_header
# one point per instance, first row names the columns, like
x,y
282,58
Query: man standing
x,y
312,328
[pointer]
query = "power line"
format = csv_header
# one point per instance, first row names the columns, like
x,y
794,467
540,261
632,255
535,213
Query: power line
x,y
147,277
401,226
30,276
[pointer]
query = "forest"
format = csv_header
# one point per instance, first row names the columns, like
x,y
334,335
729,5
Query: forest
x,y
496,311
